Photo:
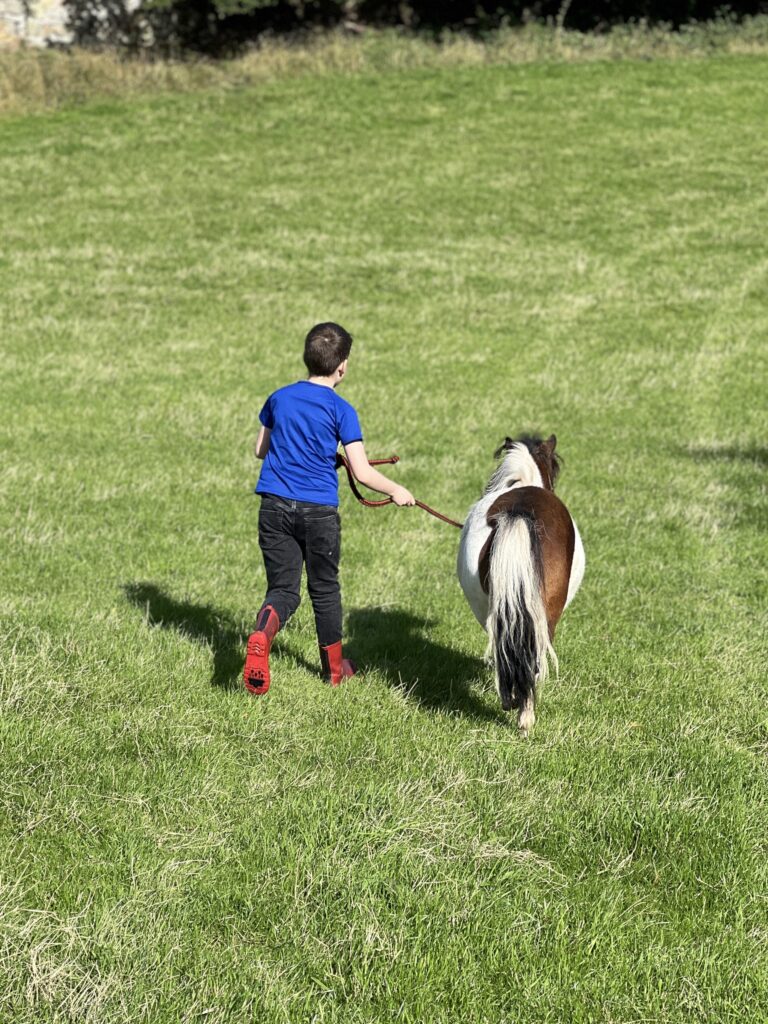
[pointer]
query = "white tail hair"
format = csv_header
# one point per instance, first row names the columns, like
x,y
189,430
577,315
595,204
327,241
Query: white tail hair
x,y
517,621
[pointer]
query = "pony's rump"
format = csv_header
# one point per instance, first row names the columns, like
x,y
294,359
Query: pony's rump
x,y
553,543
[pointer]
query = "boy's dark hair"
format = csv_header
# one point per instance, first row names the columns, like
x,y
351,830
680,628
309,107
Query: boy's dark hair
x,y
325,349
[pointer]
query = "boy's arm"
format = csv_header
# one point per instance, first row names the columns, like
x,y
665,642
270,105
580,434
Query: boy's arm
x,y
370,477
262,443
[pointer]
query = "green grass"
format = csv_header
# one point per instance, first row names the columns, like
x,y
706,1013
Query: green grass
x,y
579,249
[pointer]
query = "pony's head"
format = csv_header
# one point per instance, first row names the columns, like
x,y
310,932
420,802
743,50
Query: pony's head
x,y
526,461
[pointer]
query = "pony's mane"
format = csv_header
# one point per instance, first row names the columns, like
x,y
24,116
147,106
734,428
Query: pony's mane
x,y
519,464
516,467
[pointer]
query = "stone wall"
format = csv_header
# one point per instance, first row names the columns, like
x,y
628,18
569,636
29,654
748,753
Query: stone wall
x,y
37,23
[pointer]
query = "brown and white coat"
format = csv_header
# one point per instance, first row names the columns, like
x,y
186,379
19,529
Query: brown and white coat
x,y
520,562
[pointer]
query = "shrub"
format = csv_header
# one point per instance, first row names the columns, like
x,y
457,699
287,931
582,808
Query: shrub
x,y
220,27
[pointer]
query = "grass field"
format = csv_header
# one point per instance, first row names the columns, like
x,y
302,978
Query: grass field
x,y
578,249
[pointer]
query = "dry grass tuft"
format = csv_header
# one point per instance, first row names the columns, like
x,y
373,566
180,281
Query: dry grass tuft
x,y
35,80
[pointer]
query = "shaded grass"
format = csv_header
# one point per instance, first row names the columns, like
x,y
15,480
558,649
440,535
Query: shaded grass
x,y
575,248
34,80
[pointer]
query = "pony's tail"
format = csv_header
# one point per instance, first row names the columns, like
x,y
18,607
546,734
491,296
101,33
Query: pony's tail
x,y
517,621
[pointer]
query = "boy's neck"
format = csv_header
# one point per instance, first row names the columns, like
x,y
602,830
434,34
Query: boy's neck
x,y
326,382
330,380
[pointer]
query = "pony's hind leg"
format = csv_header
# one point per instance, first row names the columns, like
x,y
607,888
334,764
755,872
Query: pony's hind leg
x,y
527,717
488,656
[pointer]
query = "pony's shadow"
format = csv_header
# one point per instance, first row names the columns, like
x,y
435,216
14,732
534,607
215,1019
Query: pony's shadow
x,y
397,644
753,453
199,622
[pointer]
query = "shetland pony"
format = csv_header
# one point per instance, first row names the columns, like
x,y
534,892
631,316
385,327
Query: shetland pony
x,y
520,562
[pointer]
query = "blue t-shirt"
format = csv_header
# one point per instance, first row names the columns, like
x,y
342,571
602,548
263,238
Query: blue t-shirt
x,y
307,422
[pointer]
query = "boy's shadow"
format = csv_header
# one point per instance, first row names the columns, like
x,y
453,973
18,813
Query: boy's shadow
x,y
199,622
205,624
397,644
390,640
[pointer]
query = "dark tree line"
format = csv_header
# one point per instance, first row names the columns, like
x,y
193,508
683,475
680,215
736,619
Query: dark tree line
x,y
222,26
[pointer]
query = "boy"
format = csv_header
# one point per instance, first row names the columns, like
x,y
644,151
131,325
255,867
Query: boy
x,y
301,427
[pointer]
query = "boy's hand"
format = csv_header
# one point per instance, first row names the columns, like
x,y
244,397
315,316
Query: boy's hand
x,y
402,496
365,474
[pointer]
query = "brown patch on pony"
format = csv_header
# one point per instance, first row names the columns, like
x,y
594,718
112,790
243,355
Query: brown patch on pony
x,y
555,539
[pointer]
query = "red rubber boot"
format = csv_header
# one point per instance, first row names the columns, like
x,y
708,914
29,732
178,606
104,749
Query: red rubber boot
x,y
335,668
256,670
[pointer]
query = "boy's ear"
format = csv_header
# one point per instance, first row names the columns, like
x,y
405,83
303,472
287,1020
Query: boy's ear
x,y
342,368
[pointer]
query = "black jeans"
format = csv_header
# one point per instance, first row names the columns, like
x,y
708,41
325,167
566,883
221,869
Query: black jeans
x,y
292,533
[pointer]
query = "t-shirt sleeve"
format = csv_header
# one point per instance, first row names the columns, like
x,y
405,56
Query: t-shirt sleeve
x,y
348,424
267,416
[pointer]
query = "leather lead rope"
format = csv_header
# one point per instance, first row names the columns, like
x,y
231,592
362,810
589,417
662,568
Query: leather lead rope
x,y
341,460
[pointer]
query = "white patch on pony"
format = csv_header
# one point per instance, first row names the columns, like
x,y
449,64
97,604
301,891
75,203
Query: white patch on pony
x,y
516,469
577,565
526,718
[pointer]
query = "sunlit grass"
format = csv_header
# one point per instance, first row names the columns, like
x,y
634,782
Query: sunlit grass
x,y
574,248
